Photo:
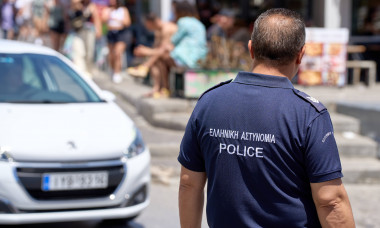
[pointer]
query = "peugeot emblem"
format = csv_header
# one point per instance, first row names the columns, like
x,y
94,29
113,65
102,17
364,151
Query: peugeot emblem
x,y
71,145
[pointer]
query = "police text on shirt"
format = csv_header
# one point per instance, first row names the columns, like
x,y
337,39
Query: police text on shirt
x,y
241,150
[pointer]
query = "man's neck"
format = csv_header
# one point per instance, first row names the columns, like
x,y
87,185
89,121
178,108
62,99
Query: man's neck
x,y
283,71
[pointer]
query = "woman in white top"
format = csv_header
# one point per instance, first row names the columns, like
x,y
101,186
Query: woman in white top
x,y
118,19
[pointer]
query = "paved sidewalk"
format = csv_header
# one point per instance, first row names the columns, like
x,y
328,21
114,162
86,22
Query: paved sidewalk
x,y
360,93
173,113
170,113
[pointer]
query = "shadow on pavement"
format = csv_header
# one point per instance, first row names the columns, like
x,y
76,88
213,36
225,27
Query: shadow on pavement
x,y
84,224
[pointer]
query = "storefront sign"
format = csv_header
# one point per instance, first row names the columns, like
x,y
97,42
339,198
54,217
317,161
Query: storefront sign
x,y
324,62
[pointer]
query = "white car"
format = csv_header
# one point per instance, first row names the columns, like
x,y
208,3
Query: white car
x,y
67,151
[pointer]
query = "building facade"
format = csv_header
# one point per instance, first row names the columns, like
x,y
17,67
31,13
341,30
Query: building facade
x,y
361,17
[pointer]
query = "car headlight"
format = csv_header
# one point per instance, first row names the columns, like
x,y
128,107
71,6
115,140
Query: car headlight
x,y
137,146
4,154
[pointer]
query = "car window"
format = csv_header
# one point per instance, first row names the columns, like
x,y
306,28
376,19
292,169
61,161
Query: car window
x,y
33,78
65,83
29,74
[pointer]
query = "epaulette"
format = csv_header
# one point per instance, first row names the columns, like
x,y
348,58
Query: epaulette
x,y
214,87
317,105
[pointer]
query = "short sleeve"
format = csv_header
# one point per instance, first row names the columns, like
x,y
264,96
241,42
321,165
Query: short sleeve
x,y
321,152
190,155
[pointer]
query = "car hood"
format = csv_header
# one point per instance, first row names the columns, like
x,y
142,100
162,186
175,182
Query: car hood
x,y
64,132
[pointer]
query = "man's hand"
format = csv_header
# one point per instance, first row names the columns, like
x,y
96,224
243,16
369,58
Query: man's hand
x,y
332,204
191,198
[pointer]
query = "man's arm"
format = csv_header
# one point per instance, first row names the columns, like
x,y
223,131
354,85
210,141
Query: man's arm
x,y
168,31
127,18
332,204
142,50
191,198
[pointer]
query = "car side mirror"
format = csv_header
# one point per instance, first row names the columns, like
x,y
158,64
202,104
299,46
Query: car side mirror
x,y
108,96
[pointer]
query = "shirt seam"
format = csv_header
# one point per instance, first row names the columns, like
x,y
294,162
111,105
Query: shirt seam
x,y
308,127
319,114
189,166
268,86
326,173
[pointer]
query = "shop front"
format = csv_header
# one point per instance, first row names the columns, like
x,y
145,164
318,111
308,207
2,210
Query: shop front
x,y
365,30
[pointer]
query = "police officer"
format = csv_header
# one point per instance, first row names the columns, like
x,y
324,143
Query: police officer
x,y
267,150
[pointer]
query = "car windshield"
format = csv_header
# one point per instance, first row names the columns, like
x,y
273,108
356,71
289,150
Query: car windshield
x,y
35,78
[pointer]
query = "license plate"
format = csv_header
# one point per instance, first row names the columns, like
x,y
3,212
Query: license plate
x,y
74,181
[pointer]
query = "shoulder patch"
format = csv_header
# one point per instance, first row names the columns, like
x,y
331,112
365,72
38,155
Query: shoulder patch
x,y
316,104
214,87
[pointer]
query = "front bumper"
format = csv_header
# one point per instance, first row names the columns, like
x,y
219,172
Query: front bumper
x,y
129,198
80,215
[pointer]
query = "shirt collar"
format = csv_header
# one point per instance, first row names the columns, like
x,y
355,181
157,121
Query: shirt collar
x,y
263,80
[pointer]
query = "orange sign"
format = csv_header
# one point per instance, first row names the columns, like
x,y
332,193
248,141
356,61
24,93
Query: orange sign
x,y
324,62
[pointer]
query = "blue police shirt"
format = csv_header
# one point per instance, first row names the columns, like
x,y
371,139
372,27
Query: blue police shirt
x,y
261,143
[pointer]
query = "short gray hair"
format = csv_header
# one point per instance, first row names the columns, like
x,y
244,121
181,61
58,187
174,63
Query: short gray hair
x,y
278,36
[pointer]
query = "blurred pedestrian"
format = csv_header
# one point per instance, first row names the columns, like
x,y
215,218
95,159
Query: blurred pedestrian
x,y
189,42
56,22
40,17
223,23
188,46
227,41
24,19
91,30
267,150
118,19
7,19
228,27
74,47
163,32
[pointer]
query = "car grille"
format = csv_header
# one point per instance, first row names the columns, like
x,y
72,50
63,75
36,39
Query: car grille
x,y
31,179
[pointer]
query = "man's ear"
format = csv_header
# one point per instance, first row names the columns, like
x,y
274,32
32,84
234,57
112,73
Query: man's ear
x,y
250,48
300,55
